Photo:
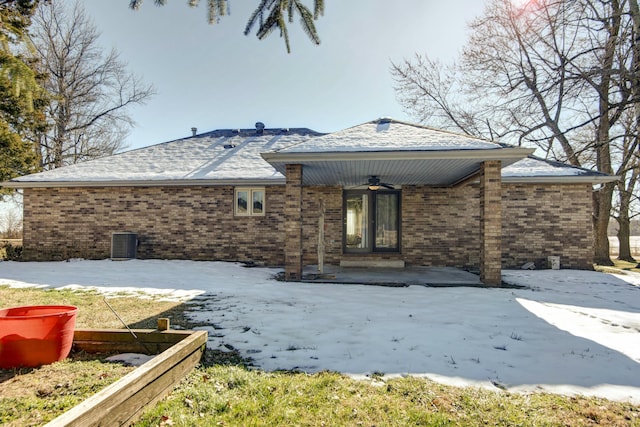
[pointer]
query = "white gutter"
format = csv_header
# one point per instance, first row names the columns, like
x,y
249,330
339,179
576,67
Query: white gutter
x,y
145,183
583,179
488,154
564,179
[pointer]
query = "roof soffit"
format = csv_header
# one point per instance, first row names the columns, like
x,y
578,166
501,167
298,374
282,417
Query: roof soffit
x,y
395,167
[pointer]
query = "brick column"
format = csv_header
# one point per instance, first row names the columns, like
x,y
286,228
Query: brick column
x,y
491,223
293,223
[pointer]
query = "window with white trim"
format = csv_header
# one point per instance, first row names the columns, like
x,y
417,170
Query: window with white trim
x,y
249,201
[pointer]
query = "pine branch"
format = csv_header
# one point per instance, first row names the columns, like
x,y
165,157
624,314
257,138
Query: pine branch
x,y
273,9
318,9
255,15
270,24
217,8
307,22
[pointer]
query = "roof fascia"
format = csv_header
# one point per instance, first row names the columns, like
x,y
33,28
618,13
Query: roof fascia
x,y
566,179
144,183
487,154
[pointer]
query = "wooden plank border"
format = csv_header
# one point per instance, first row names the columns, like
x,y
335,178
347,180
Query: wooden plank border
x,y
149,341
123,401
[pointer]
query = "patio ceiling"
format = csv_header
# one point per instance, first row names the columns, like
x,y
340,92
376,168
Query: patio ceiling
x,y
351,169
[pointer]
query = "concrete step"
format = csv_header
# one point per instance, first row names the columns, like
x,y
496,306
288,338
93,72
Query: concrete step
x,y
372,263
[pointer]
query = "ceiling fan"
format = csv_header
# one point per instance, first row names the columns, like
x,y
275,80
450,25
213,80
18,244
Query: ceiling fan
x,y
374,184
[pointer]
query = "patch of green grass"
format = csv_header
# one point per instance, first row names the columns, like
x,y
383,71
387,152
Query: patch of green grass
x,y
236,396
222,393
34,396
92,310
30,397
619,267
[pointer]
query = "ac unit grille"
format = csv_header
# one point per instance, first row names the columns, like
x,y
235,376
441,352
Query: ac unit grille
x,y
123,245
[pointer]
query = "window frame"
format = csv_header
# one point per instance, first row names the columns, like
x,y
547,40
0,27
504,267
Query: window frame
x,y
250,201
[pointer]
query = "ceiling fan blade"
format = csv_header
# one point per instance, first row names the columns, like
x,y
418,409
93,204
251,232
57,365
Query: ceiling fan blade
x,y
389,186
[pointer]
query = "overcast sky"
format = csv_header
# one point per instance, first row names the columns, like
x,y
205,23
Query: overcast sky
x,y
214,77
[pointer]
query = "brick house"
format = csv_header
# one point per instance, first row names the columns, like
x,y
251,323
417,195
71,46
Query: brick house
x,y
388,192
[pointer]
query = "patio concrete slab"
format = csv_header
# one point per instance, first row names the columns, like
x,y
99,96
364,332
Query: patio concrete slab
x,y
425,276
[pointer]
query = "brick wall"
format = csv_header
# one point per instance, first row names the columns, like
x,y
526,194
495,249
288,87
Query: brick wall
x,y
543,220
491,223
440,226
171,222
332,198
293,223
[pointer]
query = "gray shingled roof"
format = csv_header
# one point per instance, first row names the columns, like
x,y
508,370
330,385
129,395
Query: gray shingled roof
x,y
220,155
533,167
235,156
390,135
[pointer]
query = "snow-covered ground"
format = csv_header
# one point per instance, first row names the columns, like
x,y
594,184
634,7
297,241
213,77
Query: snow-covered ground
x,y
571,332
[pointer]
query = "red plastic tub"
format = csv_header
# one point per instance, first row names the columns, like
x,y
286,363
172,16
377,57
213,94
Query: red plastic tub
x,y
36,335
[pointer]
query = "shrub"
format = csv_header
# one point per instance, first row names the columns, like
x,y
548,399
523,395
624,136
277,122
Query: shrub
x,y
11,252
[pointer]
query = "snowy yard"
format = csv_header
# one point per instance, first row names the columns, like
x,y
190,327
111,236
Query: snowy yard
x,y
567,332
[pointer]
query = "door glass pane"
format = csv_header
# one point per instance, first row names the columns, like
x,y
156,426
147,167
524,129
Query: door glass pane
x,y
387,220
357,236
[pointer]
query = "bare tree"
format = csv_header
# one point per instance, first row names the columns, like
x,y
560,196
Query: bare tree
x,y
91,92
634,72
629,197
434,92
626,205
626,198
554,74
11,224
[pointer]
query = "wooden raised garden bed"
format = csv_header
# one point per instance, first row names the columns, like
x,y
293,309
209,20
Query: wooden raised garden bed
x,y
178,352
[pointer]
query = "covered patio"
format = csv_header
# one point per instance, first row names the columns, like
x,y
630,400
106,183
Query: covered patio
x,y
393,277
411,157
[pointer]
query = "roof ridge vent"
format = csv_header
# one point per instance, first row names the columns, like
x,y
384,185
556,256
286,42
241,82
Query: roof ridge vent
x,y
259,128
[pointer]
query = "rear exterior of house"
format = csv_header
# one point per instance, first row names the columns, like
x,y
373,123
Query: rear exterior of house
x,y
439,227
261,196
